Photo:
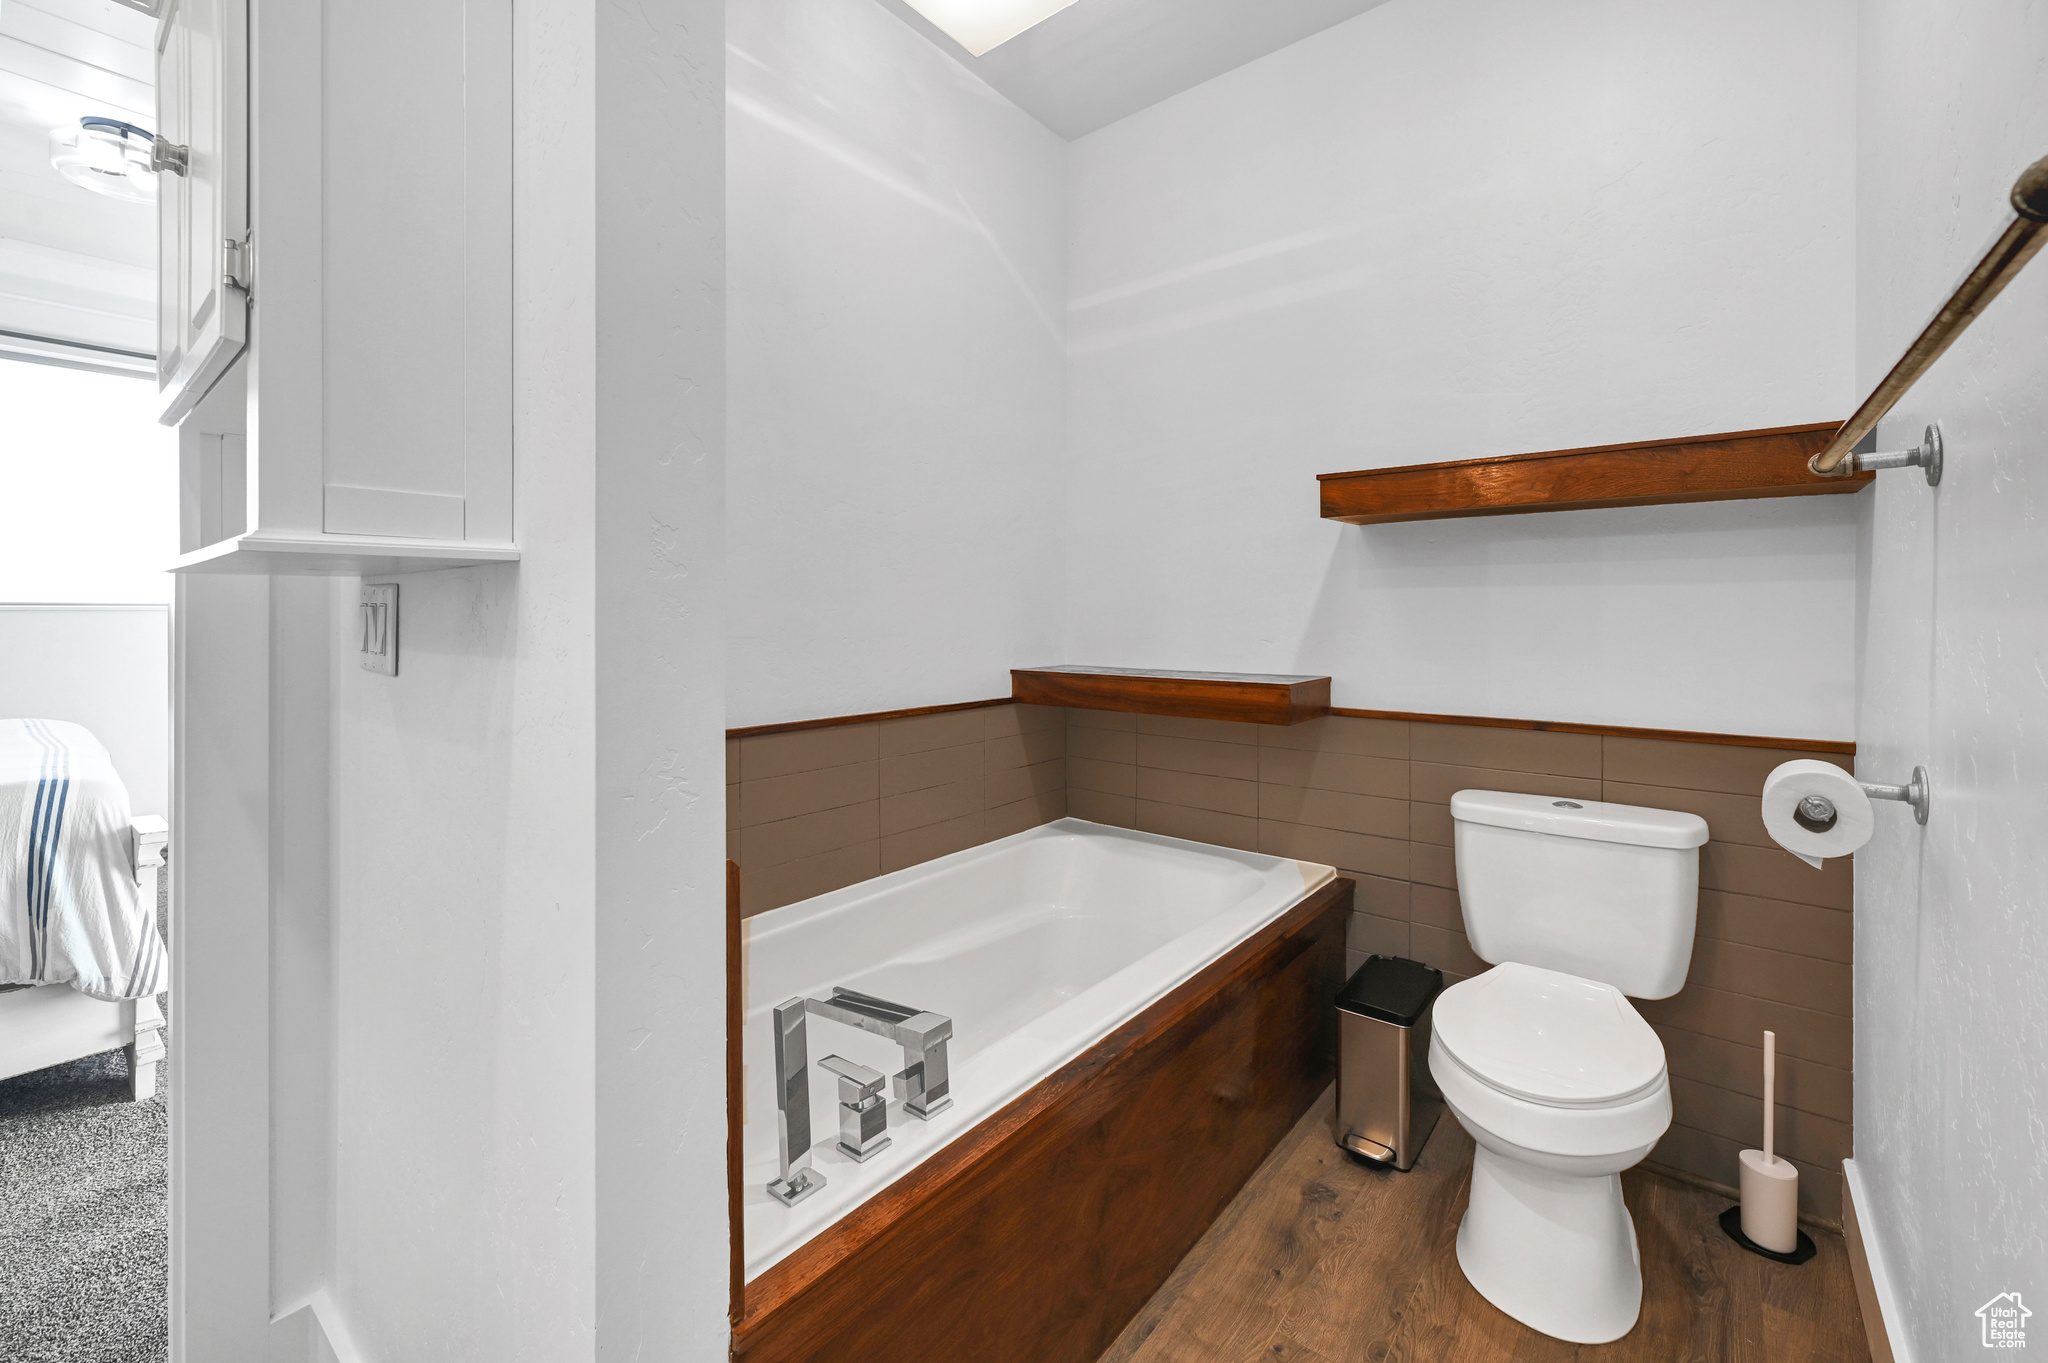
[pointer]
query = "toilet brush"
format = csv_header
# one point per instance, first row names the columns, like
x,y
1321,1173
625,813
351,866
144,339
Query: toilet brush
x,y
1767,1222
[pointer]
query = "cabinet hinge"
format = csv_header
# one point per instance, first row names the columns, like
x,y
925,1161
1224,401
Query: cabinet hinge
x,y
166,155
239,270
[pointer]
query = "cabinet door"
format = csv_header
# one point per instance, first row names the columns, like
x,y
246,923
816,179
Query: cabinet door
x,y
202,90
416,409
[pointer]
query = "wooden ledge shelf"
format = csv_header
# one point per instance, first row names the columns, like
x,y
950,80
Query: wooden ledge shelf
x,y
1256,697
1703,468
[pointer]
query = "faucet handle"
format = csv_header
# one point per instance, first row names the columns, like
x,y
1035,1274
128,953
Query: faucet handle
x,y
857,1083
863,1113
925,1084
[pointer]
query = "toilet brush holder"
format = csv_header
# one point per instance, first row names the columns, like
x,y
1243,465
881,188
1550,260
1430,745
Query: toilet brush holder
x,y
1769,1208
1767,1221
1731,1222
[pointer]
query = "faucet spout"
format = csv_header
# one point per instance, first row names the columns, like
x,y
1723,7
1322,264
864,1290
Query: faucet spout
x,y
924,1084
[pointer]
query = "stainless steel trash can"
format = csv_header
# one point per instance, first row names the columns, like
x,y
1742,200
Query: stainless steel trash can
x,y
1386,1102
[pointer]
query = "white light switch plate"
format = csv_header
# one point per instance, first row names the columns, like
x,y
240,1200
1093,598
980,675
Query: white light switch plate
x,y
377,622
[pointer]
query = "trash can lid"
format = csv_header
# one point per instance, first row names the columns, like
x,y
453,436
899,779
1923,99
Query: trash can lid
x,y
1392,989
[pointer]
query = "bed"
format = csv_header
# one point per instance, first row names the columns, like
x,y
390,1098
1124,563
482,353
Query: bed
x,y
81,961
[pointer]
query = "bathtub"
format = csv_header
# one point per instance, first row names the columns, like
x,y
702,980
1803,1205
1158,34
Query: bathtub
x,y
1039,947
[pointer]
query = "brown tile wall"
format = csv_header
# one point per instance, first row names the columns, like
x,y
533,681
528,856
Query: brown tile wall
x,y
1372,798
818,809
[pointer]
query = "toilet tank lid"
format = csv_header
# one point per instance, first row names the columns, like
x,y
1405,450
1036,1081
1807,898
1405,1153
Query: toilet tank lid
x,y
1593,819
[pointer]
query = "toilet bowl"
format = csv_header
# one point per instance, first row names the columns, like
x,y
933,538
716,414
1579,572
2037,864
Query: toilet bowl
x,y
1577,905
1562,1086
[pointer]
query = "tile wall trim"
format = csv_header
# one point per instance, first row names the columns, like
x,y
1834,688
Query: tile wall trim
x,y
792,726
1827,745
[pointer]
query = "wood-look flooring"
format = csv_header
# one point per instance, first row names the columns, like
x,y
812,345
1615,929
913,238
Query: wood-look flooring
x,y
1319,1260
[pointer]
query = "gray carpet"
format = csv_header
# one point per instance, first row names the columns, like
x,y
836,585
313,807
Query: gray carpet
x,y
84,1253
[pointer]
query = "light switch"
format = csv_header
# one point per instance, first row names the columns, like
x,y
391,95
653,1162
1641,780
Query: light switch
x,y
378,621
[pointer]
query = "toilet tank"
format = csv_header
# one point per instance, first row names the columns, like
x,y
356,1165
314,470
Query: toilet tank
x,y
1606,892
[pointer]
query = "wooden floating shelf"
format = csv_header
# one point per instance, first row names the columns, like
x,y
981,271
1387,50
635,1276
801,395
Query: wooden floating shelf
x,y
1256,697
1703,468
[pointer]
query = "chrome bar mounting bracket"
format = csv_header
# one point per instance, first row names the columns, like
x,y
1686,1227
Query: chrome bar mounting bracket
x,y
1816,813
1915,793
1926,455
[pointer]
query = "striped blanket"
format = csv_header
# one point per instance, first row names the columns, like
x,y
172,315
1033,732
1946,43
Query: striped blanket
x,y
68,910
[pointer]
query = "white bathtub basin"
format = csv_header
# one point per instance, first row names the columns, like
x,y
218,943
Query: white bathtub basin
x,y
1036,946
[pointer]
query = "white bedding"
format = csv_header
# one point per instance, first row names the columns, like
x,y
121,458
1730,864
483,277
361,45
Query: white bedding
x,y
68,904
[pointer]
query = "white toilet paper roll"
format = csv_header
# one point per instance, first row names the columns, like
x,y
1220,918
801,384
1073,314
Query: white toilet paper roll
x,y
1808,839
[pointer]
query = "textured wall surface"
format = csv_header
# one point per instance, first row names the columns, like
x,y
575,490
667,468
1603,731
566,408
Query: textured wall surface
x,y
529,888
1460,228
999,400
1952,920
897,369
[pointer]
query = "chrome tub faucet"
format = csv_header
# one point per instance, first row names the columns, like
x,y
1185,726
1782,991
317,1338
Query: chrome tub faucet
x,y
924,1084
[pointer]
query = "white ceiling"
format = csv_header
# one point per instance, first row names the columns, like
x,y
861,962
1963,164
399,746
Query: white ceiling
x,y
74,265
1097,61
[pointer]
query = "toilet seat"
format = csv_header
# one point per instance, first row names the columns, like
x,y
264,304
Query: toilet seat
x,y
1548,1038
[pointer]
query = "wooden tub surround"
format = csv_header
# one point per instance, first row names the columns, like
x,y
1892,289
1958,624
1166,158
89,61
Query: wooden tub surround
x,y
1037,1235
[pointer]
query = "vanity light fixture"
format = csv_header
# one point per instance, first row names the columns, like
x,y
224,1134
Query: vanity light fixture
x,y
108,157
980,25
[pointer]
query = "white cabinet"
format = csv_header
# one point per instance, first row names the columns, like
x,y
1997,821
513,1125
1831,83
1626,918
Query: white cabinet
x,y
202,198
365,425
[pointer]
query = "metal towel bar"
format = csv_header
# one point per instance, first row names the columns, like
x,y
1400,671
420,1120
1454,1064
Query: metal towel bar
x,y
2019,243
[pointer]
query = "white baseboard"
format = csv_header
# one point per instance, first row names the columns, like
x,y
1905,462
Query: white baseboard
x,y
1875,1287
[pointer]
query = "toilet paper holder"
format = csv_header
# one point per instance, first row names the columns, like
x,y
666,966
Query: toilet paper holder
x,y
1816,813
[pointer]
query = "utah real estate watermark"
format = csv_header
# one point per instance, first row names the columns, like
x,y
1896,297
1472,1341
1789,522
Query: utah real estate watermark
x,y
2004,1319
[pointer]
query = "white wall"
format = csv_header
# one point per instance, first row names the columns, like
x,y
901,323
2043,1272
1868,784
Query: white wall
x,y
88,487
528,1129
1952,920
658,407
89,516
227,1042
106,667
1455,228
896,413
464,894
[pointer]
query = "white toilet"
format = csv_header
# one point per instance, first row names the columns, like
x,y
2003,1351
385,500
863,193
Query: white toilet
x,y
1542,1059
